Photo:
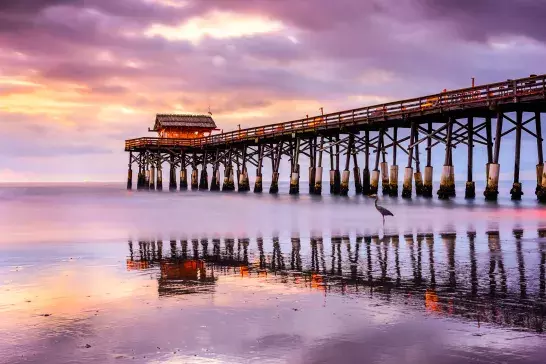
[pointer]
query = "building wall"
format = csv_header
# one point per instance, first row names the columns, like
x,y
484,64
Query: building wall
x,y
183,133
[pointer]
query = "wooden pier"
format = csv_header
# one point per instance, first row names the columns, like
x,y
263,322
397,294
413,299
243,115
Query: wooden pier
x,y
478,116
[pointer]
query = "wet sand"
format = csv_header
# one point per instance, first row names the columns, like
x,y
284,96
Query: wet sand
x,y
109,276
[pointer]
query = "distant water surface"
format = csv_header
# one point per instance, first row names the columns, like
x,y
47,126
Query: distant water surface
x,y
94,273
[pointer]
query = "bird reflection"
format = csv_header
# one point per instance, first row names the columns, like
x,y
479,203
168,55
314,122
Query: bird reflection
x,y
303,264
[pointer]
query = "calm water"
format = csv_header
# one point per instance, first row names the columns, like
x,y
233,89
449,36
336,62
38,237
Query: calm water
x,y
93,273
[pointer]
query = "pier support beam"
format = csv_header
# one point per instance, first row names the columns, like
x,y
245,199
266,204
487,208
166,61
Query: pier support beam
x,y
141,177
204,180
172,174
258,187
215,180
384,167
447,180
417,175
147,172
393,176
312,163
407,185
541,175
318,173
275,161
492,189
159,183
243,182
540,163
356,171
295,175
194,179
427,183
229,184
335,176
152,178
516,190
130,172
366,170
183,172
344,186
470,188
374,183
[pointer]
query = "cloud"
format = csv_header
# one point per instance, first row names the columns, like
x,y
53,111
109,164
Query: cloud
x,y
95,72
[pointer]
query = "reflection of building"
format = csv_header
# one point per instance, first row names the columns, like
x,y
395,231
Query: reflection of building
x,y
390,270
183,277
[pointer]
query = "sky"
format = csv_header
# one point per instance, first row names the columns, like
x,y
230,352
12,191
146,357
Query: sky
x,y
78,77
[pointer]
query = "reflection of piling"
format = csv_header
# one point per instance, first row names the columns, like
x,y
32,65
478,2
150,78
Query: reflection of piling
x,y
518,233
449,242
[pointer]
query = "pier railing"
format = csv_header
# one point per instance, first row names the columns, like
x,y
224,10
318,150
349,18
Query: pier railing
x,y
444,101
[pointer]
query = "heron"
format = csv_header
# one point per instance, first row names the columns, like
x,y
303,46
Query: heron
x,y
383,211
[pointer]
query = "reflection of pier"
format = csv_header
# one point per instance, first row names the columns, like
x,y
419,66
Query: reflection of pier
x,y
404,270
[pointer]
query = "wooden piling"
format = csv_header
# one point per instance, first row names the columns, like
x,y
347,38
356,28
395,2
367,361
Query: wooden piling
x,y
344,186
183,172
151,181
374,183
417,175
130,172
337,174
447,182
393,176
541,170
312,163
516,191
489,138
332,167
366,170
243,184
384,166
141,173
318,174
215,179
492,189
258,186
275,160
159,170
470,188
172,173
204,180
407,186
427,183
295,175
228,184
356,171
